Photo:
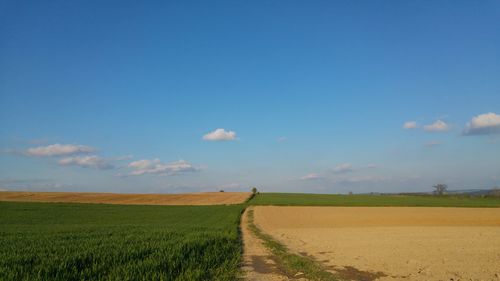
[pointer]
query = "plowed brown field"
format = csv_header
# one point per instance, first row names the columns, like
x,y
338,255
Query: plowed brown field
x,y
206,198
392,243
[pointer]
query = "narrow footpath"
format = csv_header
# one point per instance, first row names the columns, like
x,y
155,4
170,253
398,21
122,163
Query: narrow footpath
x,y
258,263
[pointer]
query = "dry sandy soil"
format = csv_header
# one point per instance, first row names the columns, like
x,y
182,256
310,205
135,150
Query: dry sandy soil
x,y
258,263
206,198
392,243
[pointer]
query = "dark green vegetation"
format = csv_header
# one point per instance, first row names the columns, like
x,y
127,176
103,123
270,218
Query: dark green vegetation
x,y
291,264
301,199
50,241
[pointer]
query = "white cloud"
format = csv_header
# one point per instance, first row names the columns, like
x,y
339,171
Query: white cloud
x,y
91,161
311,176
144,164
155,166
343,168
410,125
220,135
483,124
438,126
58,150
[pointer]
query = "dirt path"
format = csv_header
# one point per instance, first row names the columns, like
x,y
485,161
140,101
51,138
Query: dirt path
x,y
258,263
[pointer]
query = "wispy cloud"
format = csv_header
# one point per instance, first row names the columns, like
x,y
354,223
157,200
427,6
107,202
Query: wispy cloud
x,y
73,155
343,168
343,178
311,176
91,161
220,135
155,166
438,126
483,124
410,125
338,171
58,150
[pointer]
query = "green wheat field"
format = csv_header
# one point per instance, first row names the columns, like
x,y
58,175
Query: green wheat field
x,y
49,241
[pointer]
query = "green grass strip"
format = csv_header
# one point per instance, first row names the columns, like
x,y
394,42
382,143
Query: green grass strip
x,y
290,263
362,200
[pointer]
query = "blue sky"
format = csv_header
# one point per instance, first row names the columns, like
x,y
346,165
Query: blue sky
x,y
310,96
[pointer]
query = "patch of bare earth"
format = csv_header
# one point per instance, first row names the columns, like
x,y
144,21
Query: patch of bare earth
x,y
204,198
391,243
258,262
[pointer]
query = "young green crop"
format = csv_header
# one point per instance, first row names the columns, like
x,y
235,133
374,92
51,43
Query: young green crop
x,y
50,241
303,199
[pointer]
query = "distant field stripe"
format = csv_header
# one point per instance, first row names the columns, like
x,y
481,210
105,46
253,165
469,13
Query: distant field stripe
x,y
200,198
304,199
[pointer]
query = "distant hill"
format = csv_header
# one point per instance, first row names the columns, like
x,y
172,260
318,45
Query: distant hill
x,y
477,192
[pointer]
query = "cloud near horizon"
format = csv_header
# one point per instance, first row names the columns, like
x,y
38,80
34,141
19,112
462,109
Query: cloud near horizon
x,y
362,179
92,161
311,176
156,167
58,150
483,124
341,179
343,168
438,126
220,135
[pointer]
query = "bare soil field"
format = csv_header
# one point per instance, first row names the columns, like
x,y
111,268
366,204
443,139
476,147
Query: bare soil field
x,y
205,198
391,243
